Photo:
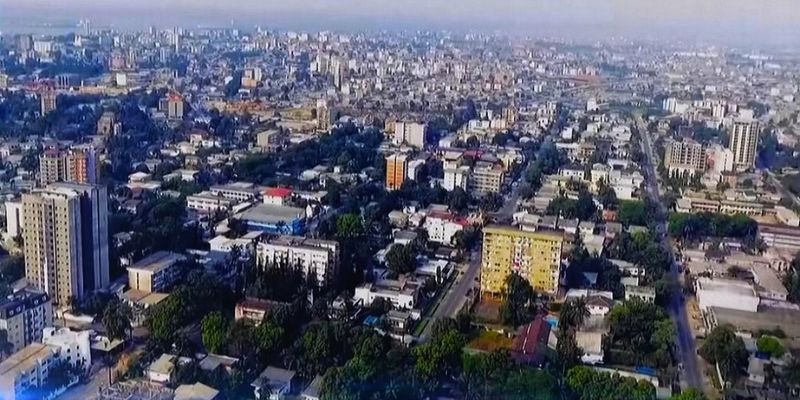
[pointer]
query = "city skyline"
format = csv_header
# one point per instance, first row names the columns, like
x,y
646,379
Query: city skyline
x,y
736,22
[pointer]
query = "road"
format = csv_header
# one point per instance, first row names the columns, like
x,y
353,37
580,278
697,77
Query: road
x,y
453,301
685,338
779,185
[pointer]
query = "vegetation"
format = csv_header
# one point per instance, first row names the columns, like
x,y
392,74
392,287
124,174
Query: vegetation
x,y
723,347
632,212
518,301
641,334
588,384
692,227
771,345
583,208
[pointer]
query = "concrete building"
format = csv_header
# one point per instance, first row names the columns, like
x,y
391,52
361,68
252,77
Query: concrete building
x,y
486,178
781,237
744,143
23,315
236,191
13,218
155,273
107,125
396,171
402,294
74,347
685,156
410,133
48,101
79,165
275,219
66,240
456,177
316,257
208,202
27,368
726,293
536,256
442,226
175,107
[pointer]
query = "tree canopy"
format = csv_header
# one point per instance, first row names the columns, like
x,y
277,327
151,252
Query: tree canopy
x,y
724,347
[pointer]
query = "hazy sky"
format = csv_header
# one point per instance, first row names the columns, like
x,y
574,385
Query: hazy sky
x,y
765,21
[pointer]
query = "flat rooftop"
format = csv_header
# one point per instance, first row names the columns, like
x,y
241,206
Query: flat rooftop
x,y
728,286
157,261
26,358
767,318
268,213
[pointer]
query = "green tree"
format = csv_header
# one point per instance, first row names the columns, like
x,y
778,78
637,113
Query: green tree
x,y
214,329
518,305
771,345
588,384
722,346
689,394
116,319
573,313
632,213
401,259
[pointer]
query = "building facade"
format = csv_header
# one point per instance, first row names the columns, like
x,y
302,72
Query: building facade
x,y
319,258
396,171
535,256
410,133
687,155
744,144
23,315
79,165
65,231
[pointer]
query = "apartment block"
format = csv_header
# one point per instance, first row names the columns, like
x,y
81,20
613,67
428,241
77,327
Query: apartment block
x,y
316,257
410,133
686,155
23,315
396,171
535,256
744,143
486,178
78,165
155,273
65,231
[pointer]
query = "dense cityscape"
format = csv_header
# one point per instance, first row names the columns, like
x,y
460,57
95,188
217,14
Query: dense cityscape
x,y
246,213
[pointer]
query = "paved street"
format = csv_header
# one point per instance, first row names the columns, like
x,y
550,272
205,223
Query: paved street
x,y
685,340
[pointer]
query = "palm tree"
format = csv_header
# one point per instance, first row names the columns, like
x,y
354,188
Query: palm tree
x,y
573,313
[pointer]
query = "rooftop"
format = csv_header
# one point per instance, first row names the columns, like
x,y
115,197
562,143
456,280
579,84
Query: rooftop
x,y
196,391
271,214
157,261
728,286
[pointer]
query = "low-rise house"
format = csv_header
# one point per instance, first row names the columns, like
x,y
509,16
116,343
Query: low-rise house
x,y
162,369
196,391
644,293
273,384
591,345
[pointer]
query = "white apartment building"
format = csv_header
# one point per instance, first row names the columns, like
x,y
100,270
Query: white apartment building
x,y
208,202
410,133
237,191
442,227
75,347
744,143
456,177
27,368
401,294
318,257
685,156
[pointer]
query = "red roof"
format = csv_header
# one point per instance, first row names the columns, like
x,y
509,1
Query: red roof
x,y
530,342
278,192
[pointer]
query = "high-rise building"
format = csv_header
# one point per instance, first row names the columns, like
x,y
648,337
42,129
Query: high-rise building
x,y
175,107
78,165
396,171
326,116
686,155
535,256
48,101
410,133
65,231
744,143
3,81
